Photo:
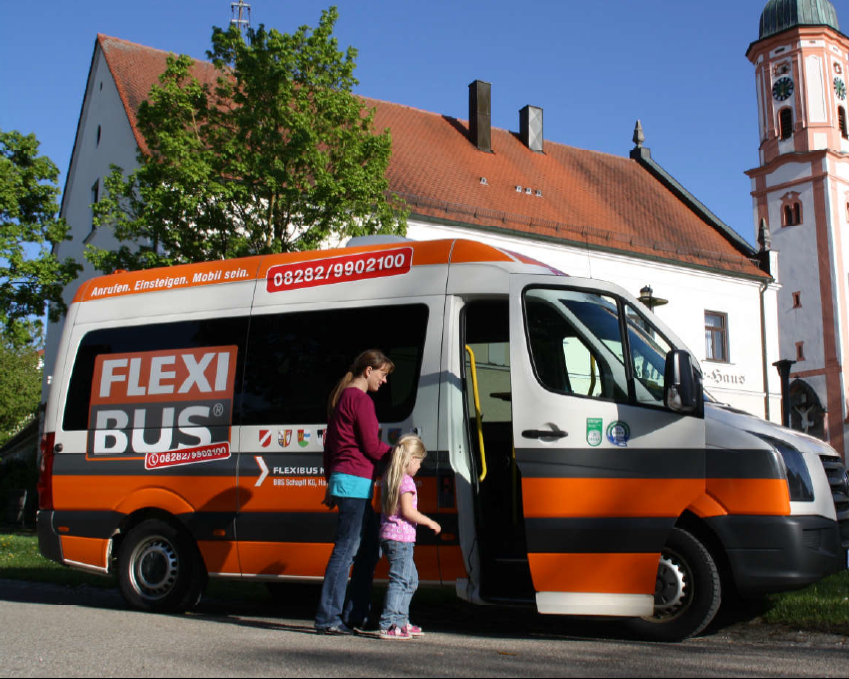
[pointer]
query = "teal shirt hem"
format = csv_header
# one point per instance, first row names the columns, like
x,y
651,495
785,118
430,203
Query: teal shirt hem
x,y
347,485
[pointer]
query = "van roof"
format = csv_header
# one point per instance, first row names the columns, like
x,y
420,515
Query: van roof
x,y
424,253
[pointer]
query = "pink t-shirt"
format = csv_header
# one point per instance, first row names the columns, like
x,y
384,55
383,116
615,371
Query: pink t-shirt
x,y
395,527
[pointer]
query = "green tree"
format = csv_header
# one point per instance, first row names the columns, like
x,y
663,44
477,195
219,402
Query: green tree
x,y
277,156
20,386
31,276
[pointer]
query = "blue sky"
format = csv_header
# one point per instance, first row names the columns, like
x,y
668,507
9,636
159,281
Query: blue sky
x,y
595,68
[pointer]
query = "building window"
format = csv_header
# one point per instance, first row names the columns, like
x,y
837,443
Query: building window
x,y
791,214
797,300
800,351
716,336
97,143
785,123
841,121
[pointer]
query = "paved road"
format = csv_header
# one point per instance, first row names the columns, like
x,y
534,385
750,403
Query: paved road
x,y
55,631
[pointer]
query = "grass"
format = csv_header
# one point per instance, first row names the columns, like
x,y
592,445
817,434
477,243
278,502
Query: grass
x,y
823,607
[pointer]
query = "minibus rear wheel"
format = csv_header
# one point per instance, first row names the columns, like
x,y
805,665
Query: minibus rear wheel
x,y
158,569
688,591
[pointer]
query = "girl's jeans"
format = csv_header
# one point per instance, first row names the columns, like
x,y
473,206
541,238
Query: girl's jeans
x,y
403,582
356,542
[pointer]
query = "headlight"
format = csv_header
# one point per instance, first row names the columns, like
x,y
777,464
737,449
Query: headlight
x,y
798,478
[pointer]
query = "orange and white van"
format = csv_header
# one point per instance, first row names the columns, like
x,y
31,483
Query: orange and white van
x,y
574,464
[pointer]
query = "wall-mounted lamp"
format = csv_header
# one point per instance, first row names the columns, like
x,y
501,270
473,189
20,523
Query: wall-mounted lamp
x,y
647,297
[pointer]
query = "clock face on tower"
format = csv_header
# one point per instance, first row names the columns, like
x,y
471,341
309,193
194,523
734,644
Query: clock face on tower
x,y
840,88
782,89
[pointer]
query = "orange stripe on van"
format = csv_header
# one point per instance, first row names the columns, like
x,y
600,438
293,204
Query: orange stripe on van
x,y
472,251
304,559
761,497
604,573
451,563
174,494
90,551
256,268
219,556
600,498
168,278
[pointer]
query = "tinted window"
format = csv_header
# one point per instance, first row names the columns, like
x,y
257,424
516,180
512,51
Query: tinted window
x,y
159,337
295,359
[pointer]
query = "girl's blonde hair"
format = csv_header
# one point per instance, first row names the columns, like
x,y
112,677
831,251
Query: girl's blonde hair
x,y
372,358
409,446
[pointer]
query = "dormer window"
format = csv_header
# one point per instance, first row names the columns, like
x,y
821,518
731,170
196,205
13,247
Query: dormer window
x,y
785,123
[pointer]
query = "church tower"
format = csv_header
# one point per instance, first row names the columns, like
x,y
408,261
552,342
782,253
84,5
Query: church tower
x,y
800,197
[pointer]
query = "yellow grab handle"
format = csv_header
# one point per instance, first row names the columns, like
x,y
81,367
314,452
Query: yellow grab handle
x,y
477,410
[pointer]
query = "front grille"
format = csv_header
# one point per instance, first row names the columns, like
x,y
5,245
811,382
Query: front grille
x,y
839,482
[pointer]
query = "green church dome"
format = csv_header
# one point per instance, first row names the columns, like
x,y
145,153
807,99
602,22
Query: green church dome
x,y
779,15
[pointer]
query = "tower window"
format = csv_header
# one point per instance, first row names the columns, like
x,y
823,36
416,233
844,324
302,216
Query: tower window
x,y
797,300
99,130
785,123
800,351
841,121
791,214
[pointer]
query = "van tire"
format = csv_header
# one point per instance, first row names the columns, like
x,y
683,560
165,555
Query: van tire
x,y
159,569
688,591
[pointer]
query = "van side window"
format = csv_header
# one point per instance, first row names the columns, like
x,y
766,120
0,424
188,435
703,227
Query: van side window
x,y
577,347
295,359
143,338
576,343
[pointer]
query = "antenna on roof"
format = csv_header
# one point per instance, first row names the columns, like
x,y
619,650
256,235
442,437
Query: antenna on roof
x,y
240,15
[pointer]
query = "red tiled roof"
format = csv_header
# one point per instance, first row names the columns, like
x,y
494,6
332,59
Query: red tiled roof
x,y
588,197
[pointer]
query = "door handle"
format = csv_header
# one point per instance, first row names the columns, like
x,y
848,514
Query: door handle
x,y
544,434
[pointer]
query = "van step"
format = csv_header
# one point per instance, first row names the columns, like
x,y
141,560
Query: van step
x,y
512,600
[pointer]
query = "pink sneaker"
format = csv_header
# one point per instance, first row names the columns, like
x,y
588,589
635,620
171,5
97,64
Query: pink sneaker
x,y
412,630
395,632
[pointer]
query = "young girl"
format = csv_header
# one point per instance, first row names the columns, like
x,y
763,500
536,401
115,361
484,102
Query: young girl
x,y
398,536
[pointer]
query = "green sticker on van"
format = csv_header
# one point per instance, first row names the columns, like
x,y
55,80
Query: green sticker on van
x,y
595,427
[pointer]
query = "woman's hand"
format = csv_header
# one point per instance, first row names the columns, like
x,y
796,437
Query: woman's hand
x,y
329,501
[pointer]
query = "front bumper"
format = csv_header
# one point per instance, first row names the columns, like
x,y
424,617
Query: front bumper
x,y
779,553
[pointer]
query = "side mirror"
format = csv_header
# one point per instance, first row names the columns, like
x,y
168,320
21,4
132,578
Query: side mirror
x,y
682,389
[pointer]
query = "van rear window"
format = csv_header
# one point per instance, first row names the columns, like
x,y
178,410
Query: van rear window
x,y
139,339
295,359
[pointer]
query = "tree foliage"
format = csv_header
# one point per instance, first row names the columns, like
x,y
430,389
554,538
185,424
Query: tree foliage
x,y
277,155
31,276
20,387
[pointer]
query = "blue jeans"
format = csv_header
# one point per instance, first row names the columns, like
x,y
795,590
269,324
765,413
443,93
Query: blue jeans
x,y
403,582
356,542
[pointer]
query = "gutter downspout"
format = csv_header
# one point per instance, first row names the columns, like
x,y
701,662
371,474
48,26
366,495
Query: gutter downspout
x,y
764,359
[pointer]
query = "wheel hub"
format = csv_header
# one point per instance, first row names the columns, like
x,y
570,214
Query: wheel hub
x,y
671,588
154,568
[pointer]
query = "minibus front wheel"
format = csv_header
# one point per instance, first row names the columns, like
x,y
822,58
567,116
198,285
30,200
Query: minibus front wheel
x,y
687,591
158,569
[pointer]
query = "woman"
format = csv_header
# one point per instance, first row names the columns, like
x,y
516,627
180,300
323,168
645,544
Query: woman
x,y
352,450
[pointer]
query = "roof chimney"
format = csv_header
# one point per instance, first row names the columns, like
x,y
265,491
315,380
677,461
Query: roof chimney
x,y
530,127
480,116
